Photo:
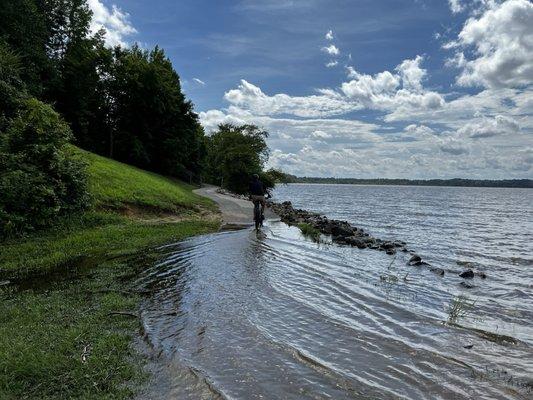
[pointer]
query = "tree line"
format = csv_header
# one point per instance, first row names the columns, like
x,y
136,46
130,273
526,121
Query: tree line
x,y
125,103
510,183
60,83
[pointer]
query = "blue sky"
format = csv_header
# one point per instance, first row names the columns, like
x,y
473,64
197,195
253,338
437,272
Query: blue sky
x,y
414,88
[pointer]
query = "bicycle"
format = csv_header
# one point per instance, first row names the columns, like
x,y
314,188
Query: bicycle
x,y
258,215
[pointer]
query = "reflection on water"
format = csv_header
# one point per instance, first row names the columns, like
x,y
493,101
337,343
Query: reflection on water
x,y
274,315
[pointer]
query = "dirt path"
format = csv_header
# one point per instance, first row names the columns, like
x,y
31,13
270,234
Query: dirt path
x,y
235,212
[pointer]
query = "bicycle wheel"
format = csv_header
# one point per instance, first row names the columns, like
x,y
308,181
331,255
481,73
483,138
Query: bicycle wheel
x,y
257,216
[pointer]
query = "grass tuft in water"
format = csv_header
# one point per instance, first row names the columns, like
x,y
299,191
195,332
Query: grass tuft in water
x,y
309,231
460,307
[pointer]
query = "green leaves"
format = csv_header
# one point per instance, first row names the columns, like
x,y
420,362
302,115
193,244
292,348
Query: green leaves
x,y
39,180
234,153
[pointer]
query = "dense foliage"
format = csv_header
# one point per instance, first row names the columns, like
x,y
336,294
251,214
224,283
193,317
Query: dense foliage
x,y
234,153
125,103
39,179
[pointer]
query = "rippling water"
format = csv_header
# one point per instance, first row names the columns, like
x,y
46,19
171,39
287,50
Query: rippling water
x,y
274,315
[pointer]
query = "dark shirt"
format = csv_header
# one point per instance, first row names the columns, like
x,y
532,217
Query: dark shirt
x,y
257,188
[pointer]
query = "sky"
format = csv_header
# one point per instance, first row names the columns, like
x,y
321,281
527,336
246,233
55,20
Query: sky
x,y
369,88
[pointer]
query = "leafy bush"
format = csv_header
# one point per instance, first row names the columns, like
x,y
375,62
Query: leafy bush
x,y
40,179
234,154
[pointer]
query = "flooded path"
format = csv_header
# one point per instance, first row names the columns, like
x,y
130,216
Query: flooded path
x,y
273,315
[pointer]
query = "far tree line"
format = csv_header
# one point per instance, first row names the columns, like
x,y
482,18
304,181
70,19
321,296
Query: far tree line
x,y
60,84
510,183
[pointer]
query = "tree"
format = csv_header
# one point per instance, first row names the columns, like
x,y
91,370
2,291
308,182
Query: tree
x,y
39,178
23,27
234,154
155,126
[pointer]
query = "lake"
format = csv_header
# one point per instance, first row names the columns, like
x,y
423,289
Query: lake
x,y
276,315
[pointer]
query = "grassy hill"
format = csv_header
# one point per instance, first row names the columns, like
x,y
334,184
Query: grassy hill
x,y
132,209
60,335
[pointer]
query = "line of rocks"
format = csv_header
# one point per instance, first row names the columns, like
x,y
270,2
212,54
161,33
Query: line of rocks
x,y
344,233
341,231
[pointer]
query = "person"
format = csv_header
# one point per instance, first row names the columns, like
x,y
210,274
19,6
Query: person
x,y
257,192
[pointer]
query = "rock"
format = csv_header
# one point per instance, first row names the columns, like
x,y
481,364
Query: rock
x,y
341,230
356,241
481,274
415,258
468,274
388,245
466,285
419,264
390,252
468,346
438,271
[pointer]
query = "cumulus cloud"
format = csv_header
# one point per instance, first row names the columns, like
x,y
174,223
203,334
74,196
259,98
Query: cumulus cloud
x,y
250,97
418,132
454,147
199,81
114,21
389,91
489,127
329,35
332,63
332,50
501,42
211,119
320,135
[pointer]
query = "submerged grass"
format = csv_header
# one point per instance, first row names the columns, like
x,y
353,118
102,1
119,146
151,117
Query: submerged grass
x,y
58,339
310,231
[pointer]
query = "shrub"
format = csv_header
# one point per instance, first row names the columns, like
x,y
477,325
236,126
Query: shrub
x,y
40,178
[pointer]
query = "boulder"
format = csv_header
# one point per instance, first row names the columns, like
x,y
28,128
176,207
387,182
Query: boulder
x,y
419,263
438,271
415,258
388,245
356,241
390,252
468,274
466,285
341,230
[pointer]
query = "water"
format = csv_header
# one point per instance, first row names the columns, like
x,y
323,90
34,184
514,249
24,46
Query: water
x,y
274,315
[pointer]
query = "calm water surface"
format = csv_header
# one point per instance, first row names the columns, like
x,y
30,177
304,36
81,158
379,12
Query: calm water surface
x,y
240,315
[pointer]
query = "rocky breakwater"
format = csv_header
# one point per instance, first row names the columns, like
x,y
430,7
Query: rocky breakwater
x,y
341,232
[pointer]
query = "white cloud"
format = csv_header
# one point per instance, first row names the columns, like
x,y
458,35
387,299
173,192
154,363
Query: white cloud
x,y
501,40
412,74
332,50
211,119
320,135
454,147
114,21
489,127
251,98
332,63
401,90
419,132
456,6
199,81
329,35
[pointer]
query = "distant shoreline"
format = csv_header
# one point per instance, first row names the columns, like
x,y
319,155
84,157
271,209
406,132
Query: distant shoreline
x,y
506,183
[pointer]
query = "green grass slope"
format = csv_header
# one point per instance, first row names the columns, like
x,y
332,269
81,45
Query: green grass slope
x,y
60,334
114,184
132,209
